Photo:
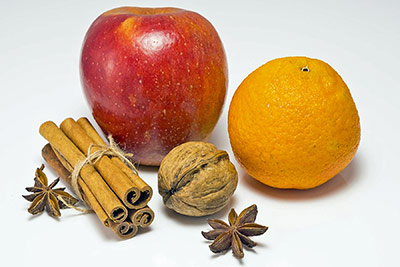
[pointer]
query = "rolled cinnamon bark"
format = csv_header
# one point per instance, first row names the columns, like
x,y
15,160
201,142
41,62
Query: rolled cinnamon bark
x,y
90,131
142,217
123,187
124,230
50,157
146,191
110,203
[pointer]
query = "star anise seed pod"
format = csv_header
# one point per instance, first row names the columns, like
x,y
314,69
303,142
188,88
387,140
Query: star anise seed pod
x,y
237,233
44,196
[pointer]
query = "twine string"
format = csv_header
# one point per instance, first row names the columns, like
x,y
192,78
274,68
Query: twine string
x,y
92,158
72,206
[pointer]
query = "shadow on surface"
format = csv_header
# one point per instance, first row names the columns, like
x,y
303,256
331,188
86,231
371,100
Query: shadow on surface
x,y
188,220
341,181
145,168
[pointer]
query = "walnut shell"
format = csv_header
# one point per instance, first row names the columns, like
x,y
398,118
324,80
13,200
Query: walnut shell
x,y
196,179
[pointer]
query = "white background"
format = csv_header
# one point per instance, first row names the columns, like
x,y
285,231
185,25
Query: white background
x,y
353,220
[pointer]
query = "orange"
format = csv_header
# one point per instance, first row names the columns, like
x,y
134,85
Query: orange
x,y
293,124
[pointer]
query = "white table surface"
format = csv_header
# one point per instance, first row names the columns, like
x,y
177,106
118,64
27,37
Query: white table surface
x,y
353,220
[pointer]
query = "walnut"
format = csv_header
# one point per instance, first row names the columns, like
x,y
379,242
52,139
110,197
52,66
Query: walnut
x,y
196,179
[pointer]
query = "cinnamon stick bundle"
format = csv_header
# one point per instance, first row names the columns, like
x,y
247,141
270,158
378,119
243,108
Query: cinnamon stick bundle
x,y
112,206
119,182
145,190
116,194
124,230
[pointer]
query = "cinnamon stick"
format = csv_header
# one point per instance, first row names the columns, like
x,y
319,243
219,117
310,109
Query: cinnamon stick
x,y
112,206
124,230
146,191
50,157
122,186
142,217
90,131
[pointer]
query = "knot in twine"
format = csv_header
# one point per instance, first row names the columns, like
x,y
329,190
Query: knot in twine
x,y
92,158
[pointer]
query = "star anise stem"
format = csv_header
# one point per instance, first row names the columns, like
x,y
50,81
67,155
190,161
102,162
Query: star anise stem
x,y
237,233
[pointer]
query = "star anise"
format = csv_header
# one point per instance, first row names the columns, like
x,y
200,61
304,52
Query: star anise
x,y
44,196
237,233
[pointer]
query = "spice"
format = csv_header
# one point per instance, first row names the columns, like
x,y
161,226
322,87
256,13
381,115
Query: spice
x,y
65,151
196,179
142,217
123,230
46,196
123,186
145,192
237,233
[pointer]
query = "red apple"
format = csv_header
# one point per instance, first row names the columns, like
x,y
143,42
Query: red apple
x,y
154,78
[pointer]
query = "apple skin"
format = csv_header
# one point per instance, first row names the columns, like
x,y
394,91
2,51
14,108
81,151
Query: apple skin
x,y
154,78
